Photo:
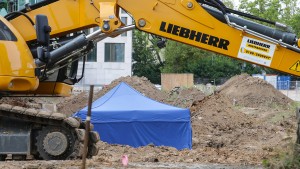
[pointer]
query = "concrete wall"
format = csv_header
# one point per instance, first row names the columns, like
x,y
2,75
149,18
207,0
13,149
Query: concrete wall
x,y
171,80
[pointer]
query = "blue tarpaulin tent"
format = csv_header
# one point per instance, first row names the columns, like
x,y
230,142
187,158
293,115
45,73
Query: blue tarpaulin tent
x,y
125,116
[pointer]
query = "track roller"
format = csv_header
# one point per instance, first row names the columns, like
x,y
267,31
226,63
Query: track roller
x,y
55,143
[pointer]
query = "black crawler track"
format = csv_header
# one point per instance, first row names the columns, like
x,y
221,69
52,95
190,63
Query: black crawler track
x,y
42,123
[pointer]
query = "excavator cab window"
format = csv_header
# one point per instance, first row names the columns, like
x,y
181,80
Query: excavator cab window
x,y
6,34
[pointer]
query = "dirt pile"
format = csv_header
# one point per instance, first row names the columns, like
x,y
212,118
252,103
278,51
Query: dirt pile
x,y
236,125
248,91
142,84
184,97
214,117
219,122
229,134
221,134
222,131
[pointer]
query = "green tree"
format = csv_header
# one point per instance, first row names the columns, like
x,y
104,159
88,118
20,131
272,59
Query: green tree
x,y
145,62
181,58
267,9
291,14
294,23
228,3
285,11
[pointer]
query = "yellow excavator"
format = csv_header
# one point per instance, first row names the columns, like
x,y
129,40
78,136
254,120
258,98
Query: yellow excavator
x,y
42,43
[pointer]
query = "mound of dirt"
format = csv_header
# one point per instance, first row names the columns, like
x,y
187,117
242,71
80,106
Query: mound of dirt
x,y
221,134
222,131
214,117
142,84
184,97
248,91
218,126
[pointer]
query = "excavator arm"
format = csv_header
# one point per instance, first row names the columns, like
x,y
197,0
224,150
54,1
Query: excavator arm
x,y
208,25
214,29
64,17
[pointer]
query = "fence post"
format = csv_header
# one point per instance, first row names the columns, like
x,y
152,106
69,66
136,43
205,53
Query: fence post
x,y
87,127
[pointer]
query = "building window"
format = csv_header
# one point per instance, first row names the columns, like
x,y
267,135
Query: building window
x,y
114,52
3,8
92,56
21,4
14,5
34,1
124,20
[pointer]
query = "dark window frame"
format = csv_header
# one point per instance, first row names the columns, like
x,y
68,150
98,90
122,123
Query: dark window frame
x,y
6,34
110,49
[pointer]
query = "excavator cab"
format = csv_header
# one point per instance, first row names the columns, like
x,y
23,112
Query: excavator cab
x,y
17,68
25,70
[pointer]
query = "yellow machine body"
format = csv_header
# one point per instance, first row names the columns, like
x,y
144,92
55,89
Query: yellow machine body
x,y
181,20
17,67
51,88
194,26
64,16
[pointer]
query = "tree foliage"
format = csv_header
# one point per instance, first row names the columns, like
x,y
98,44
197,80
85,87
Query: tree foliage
x,y
144,58
267,9
181,58
284,11
228,3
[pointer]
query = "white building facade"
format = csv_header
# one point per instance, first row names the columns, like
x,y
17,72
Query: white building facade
x,y
111,58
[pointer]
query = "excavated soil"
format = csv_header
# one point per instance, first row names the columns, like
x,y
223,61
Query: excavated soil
x,y
248,91
184,97
245,121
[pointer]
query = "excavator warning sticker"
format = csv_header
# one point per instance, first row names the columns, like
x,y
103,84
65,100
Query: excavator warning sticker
x,y
256,51
296,66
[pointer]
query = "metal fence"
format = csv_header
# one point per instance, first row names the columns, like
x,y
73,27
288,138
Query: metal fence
x,y
290,89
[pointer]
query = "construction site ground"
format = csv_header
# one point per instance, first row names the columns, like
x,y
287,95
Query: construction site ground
x,y
239,125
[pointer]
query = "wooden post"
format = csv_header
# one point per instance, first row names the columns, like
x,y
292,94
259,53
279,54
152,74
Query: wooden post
x,y
87,126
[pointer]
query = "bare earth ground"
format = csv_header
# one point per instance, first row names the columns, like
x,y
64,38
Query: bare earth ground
x,y
244,122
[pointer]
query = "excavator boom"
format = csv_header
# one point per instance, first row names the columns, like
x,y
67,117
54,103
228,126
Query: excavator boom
x,y
64,17
213,29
